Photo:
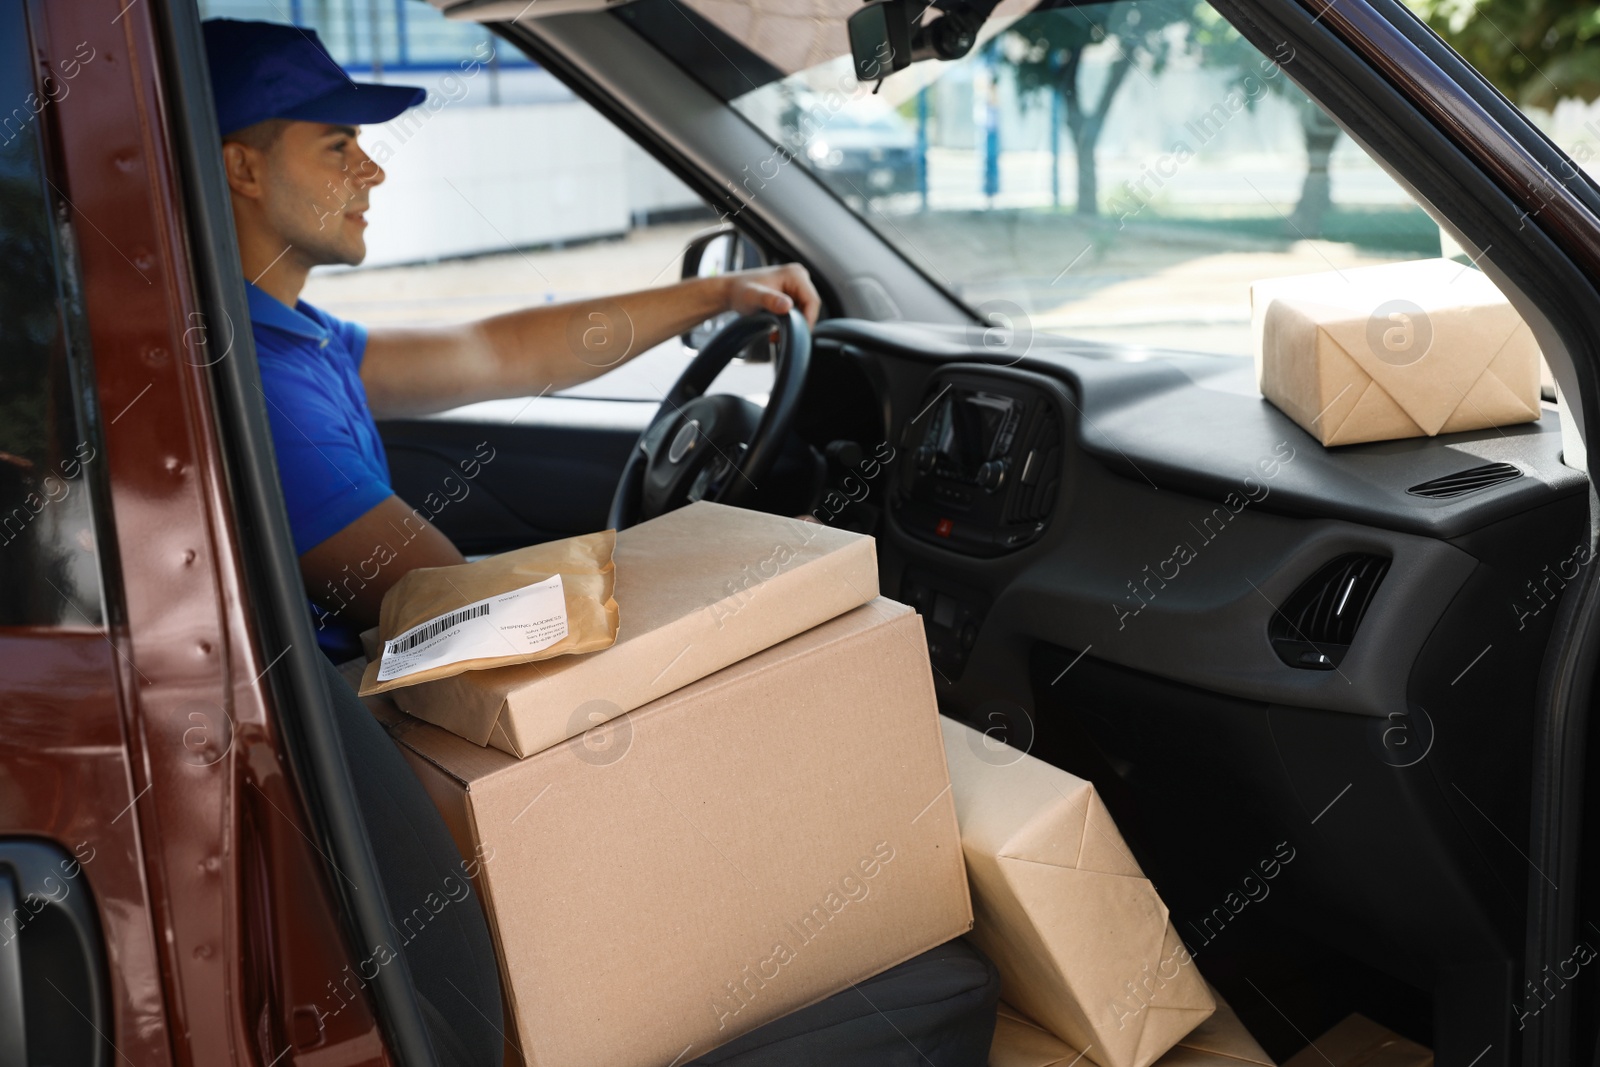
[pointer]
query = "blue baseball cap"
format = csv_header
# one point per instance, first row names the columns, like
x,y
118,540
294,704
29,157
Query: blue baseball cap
x,y
268,70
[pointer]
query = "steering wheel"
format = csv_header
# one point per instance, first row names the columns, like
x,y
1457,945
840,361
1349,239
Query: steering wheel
x,y
717,448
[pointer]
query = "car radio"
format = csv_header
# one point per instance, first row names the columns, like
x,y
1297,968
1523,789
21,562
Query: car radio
x,y
985,466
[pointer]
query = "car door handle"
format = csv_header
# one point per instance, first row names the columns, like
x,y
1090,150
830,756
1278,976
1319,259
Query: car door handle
x,y
52,962
13,1032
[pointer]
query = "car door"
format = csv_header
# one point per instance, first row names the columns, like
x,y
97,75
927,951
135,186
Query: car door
x,y
162,899
71,893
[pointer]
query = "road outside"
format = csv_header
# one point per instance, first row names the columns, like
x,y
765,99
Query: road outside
x,y
458,290
1154,284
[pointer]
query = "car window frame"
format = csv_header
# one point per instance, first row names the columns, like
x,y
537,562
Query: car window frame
x,y
77,354
295,686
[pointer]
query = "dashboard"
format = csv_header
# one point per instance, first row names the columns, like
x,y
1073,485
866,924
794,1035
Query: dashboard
x,y
1155,507
1130,564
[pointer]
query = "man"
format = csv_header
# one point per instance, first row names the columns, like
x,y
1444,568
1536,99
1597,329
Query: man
x,y
301,185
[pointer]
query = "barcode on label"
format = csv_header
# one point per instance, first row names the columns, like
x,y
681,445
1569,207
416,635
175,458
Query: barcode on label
x,y
435,628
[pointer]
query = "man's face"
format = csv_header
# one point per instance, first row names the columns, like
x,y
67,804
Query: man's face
x,y
316,192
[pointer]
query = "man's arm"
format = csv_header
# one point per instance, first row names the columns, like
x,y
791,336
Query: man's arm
x,y
348,573
554,346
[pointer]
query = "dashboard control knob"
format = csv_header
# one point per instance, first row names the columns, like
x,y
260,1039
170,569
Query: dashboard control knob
x,y
969,636
846,454
991,475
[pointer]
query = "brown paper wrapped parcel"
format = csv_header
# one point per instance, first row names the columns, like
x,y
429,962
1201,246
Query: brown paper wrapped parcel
x,y
1082,942
1220,1041
699,588
1359,1042
742,847
1399,350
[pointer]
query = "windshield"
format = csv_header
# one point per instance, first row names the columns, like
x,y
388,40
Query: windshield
x,y
1118,172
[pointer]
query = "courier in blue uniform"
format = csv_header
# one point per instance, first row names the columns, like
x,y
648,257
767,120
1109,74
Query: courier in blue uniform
x,y
300,187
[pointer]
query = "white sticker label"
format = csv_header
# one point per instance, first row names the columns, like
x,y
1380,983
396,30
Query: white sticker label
x,y
517,623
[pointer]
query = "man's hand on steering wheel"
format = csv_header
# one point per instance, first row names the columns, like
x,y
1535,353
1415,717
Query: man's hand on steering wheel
x,y
701,447
774,289
718,447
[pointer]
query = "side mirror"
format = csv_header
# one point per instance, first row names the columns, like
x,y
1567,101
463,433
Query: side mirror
x,y
719,250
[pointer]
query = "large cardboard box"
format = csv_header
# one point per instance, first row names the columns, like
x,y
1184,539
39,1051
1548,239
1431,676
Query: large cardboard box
x,y
1082,942
698,588
1220,1041
736,850
1399,350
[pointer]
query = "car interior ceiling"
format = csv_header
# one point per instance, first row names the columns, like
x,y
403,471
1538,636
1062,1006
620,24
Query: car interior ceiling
x,y
1188,701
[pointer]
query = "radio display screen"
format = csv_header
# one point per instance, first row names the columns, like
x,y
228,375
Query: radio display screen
x,y
969,427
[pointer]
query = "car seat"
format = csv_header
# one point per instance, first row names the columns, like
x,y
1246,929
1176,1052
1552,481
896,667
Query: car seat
x,y
451,957
934,1010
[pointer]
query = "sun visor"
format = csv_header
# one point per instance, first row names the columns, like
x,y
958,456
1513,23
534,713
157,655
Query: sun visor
x,y
792,37
517,10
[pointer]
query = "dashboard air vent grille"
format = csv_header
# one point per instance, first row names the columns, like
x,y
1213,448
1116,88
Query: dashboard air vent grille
x,y
1316,624
1038,471
1468,481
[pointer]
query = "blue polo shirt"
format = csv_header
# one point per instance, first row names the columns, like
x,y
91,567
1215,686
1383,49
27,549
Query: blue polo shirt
x,y
330,457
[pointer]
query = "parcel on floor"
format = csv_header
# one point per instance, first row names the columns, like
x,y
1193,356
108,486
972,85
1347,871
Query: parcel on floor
x,y
1219,1041
1082,942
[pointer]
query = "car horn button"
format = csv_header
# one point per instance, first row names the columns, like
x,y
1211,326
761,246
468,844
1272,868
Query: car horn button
x,y
684,441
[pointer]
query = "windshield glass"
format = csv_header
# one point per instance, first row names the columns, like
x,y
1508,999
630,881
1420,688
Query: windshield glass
x,y
1117,171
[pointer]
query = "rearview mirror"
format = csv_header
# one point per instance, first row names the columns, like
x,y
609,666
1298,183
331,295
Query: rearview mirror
x,y
885,36
880,39
719,250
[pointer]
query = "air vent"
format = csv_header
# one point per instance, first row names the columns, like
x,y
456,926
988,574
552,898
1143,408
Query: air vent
x,y
1316,625
1468,481
1038,470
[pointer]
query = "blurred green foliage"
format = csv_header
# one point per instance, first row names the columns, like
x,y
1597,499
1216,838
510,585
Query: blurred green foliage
x,y
1535,51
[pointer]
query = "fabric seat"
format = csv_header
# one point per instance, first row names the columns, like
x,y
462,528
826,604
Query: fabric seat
x,y
934,1010
447,945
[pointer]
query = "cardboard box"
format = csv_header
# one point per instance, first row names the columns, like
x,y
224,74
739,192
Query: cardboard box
x,y
1220,1041
1360,1042
699,588
1082,942
1400,350
736,850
